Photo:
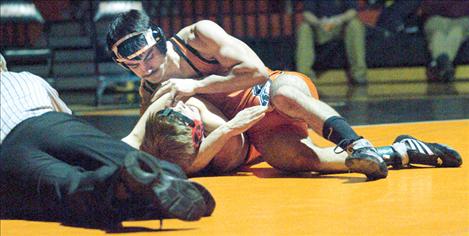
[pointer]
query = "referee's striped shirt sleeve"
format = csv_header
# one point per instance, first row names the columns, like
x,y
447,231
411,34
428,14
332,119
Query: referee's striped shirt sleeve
x,y
25,95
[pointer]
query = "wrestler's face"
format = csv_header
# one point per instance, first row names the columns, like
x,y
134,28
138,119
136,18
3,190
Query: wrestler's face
x,y
150,67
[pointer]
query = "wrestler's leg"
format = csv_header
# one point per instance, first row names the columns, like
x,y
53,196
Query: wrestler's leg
x,y
292,96
231,156
287,150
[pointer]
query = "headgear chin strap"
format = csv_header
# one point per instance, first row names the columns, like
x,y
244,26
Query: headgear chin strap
x,y
132,45
196,125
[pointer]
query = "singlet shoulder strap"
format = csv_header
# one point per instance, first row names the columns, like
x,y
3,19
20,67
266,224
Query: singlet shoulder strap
x,y
177,48
194,51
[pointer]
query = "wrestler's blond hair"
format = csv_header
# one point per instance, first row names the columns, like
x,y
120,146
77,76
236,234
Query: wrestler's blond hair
x,y
168,139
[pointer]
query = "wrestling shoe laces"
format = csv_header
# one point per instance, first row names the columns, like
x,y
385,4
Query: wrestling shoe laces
x,y
434,154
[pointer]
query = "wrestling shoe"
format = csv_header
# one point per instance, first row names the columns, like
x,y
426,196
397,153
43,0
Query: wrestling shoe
x,y
168,196
433,154
363,158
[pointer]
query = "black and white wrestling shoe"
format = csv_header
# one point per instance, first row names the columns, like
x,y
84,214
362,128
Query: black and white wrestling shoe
x,y
433,154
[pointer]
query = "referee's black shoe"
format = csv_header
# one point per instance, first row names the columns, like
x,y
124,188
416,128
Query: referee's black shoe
x,y
170,197
433,154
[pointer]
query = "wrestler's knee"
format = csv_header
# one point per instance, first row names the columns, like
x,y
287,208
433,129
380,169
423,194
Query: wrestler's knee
x,y
288,87
283,97
288,100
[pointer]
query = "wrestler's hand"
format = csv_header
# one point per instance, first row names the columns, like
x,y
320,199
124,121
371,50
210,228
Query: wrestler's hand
x,y
246,118
177,88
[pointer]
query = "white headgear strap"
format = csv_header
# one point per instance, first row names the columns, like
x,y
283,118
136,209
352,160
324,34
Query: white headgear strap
x,y
151,41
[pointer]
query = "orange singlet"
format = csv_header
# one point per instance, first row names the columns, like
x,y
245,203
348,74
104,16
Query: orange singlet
x,y
232,103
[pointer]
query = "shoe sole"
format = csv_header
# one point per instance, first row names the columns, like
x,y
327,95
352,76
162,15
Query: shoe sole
x,y
367,166
208,199
179,198
174,197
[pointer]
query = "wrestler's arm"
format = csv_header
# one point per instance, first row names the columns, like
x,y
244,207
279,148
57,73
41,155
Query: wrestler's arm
x,y
145,97
243,68
246,68
224,148
135,137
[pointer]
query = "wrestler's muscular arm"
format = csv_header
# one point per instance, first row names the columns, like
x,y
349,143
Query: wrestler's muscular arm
x,y
224,148
244,68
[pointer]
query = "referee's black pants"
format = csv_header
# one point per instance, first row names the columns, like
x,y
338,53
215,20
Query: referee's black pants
x,y
58,164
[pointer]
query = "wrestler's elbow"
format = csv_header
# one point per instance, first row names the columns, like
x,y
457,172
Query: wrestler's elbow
x,y
255,72
261,74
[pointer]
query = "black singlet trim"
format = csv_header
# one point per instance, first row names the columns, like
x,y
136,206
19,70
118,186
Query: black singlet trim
x,y
193,50
178,50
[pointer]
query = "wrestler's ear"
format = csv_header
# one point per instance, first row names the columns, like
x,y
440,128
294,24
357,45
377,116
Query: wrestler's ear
x,y
160,38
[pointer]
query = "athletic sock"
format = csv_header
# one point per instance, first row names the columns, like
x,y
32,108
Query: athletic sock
x,y
337,130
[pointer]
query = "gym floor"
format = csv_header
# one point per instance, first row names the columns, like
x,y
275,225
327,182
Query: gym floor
x,y
263,201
